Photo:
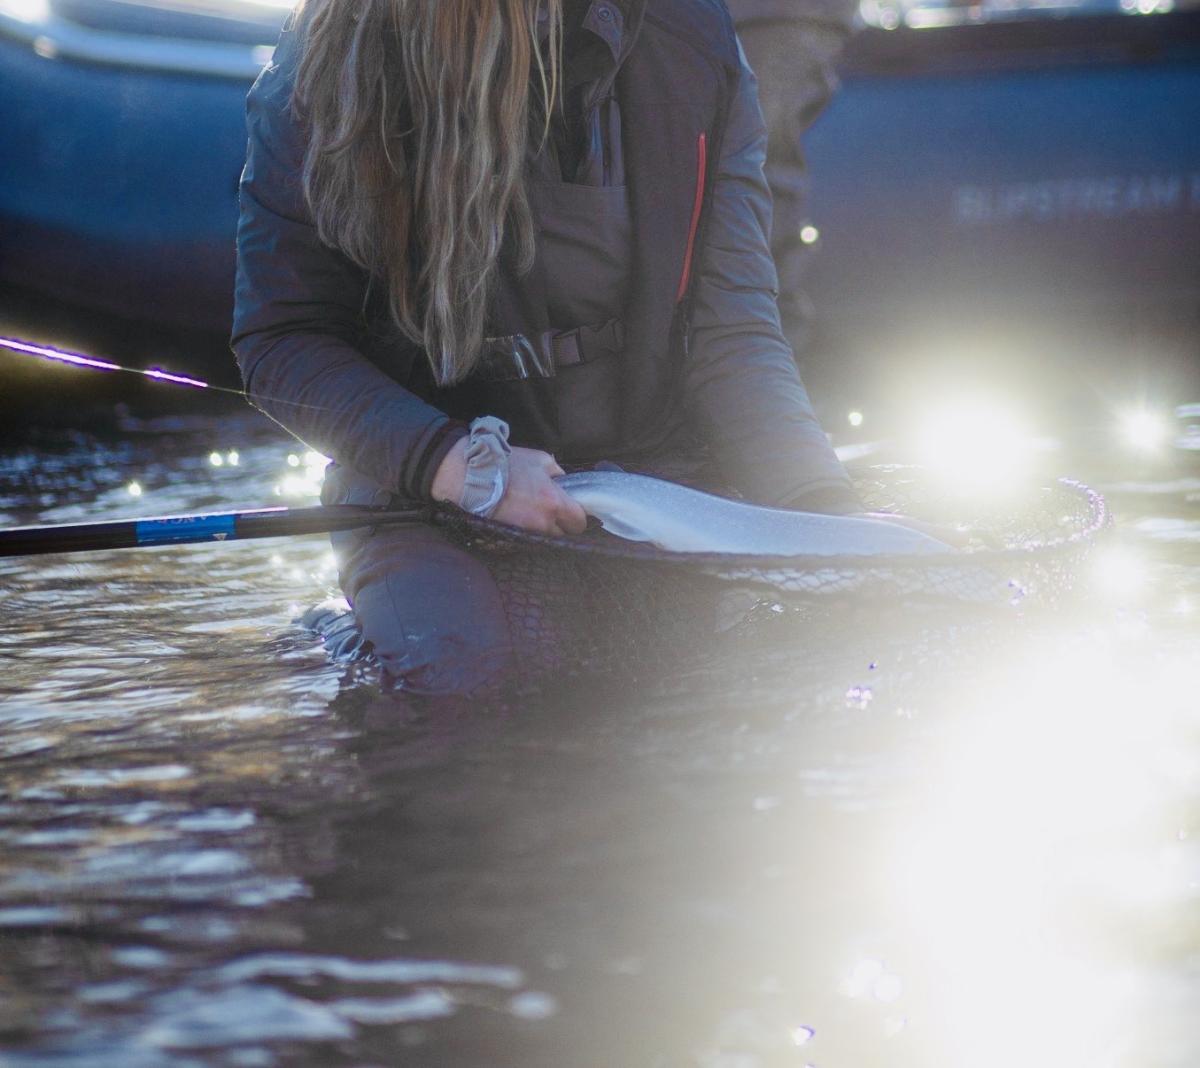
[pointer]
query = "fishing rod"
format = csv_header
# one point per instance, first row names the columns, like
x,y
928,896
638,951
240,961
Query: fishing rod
x,y
78,359
180,529
203,527
17,346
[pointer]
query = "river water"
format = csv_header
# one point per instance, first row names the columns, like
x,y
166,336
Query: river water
x,y
858,837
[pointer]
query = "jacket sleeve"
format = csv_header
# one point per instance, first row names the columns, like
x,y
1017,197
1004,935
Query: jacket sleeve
x,y
742,386
298,315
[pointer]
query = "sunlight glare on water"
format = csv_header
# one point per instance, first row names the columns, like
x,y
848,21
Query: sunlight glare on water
x,y
973,442
1047,810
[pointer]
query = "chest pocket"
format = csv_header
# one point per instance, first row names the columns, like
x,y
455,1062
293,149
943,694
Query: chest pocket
x,y
571,373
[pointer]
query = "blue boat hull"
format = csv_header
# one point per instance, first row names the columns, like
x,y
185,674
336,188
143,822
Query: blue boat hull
x,y
1009,179
1037,173
119,190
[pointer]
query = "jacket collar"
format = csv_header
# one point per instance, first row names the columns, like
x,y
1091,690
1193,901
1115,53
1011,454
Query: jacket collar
x,y
606,32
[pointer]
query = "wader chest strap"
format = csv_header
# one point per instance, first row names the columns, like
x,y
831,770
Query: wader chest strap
x,y
517,356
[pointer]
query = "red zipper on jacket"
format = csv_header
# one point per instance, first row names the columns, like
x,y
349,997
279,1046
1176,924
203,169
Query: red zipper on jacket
x,y
697,204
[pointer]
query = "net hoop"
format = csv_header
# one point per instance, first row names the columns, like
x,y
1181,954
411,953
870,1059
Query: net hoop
x,y
1046,540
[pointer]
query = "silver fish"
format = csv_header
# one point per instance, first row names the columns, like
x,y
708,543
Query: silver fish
x,y
685,520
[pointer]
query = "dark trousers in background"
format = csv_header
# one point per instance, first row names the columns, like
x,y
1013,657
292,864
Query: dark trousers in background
x,y
793,47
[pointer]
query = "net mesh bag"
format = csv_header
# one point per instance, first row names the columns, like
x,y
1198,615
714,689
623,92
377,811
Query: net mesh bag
x,y
583,604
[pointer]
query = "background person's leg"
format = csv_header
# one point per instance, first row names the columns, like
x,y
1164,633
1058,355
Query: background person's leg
x,y
794,59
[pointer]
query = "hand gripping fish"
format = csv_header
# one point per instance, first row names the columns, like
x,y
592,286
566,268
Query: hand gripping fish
x,y
685,520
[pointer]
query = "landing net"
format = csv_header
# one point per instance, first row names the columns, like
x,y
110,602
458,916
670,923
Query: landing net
x,y
589,602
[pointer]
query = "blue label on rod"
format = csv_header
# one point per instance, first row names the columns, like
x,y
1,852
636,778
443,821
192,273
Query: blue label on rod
x,y
185,528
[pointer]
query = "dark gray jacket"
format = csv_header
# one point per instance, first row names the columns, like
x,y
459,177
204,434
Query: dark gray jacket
x,y
322,360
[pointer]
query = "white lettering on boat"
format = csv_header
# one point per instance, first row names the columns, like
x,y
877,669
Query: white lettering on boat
x,y
1055,199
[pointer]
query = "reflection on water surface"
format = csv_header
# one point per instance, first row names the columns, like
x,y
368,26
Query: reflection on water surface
x,y
850,837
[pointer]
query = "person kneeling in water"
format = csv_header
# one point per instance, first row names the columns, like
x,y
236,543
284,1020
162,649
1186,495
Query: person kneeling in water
x,y
472,221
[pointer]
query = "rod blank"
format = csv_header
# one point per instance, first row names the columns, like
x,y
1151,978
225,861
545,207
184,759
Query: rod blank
x,y
192,529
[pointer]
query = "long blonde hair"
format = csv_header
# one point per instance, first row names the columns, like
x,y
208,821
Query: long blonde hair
x,y
419,116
